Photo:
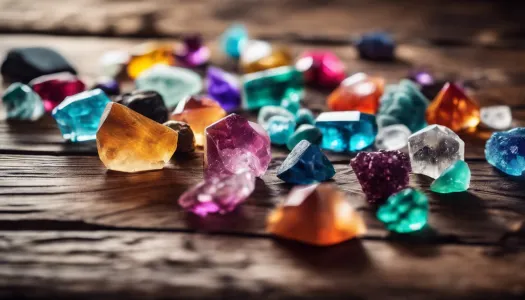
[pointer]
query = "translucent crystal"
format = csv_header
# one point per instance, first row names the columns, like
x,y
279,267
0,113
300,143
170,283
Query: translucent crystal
x,y
405,211
506,151
496,117
270,111
455,178
280,129
21,103
393,137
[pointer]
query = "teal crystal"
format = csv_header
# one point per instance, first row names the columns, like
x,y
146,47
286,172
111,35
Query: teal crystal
x,y
306,164
304,116
22,103
233,40
455,178
78,116
403,103
305,132
270,87
280,129
346,131
172,83
506,151
405,211
267,112
291,104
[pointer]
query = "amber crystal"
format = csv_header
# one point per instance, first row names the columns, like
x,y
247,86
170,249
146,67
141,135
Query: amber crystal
x,y
358,92
146,55
130,142
453,109
259,56
317,214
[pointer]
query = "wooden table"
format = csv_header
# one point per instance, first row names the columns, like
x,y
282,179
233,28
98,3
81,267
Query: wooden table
x,y
71,229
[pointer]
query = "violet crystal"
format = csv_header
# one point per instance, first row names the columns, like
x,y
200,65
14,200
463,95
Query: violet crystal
x,y
192,52
224,88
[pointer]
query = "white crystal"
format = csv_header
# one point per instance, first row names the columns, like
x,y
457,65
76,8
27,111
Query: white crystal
x,y
496,117
433,149
392,137
255,50
112,62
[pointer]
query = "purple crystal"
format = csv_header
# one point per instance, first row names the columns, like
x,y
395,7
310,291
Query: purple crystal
x,y
381,173
109,85
218,194
192,52
224,88
422,77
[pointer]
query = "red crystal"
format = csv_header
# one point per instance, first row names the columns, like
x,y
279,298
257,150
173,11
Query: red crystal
x,y
322,68
54,88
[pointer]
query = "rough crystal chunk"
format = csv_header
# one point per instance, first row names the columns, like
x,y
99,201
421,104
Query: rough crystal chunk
x,y
192,52
392,137
321,68
376,46
305,132
234,143
224,87
259,56
455,178
404,212
147,103
234,39
267,112
21,103
497,117
130,142
358,92
318,214
147,55
506,151
280,129
304,116
186,139
54,88
433,149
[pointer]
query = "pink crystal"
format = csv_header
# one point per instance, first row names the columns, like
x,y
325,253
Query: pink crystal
x,y
54,88
192,53
322,68
218,194
234,143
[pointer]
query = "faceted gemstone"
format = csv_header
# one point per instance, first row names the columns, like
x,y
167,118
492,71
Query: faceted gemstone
x,y
54,88
192,53
454,109
506,151
108,85
404,212
112,63
318,214
376,46
455,178
26,64
270,87
346,131
497,117
422,77
321,68
358,92
304,116
280,129
433,149
224,88
268,112
306,132
199,113
145,56
21,103
218,194
172,83
234,39
403,104
306,164
186,140
129,142
382,173
292,104
234,143
392,137
146,103
259,56
78,116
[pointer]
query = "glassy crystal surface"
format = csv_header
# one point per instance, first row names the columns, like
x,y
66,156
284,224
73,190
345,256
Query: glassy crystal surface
x,y
54,88
455,178
259,56
358,92
404,212
224,88
268,112
305,132
280,129
506,151
147,55
321,68
497,117
392,137
234,39
22,103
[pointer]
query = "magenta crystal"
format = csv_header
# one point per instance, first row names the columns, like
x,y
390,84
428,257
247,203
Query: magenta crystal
x,y
218,194
381,173
321,68
192,53
233,143
54,88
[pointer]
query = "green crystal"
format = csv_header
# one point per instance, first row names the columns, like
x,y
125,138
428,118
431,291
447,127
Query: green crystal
x,y
270,87
455,178
305,132
405,211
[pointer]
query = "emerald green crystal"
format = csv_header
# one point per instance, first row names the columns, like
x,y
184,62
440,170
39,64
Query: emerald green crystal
x,y
270,87
455,178
405,211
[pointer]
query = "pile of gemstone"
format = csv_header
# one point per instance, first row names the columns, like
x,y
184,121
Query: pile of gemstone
x,y
376,123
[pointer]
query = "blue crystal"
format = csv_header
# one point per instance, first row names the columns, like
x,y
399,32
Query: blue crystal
x,y
506,151
304,116
306,164
280,129
376,46
233,39
78,116
269,111
346,131
22,103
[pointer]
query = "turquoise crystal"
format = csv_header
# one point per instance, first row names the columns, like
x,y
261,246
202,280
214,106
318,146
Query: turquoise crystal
x,y
455,178
270,87
506,151
280,129
291,104
405,211
306,164
304,116
305,132
346,131
403,103
270,111
233,40
78,116
21,103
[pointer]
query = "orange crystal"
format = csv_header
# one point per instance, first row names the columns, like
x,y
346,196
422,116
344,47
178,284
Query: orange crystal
x,y
318,214
199,113
146,55
454,109
258,56
358,92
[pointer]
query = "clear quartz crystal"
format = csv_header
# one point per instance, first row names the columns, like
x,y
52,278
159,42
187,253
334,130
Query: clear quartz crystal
x,y
496,117
393,137
433,149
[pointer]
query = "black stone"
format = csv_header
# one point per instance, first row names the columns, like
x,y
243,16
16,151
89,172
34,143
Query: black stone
x,y
147,103
26,64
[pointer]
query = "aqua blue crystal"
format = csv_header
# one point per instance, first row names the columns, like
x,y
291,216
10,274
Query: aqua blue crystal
x,y
78,116
292,104
506,151
304,116
269,111
304,132
233,39
306,164
346,131
22,103
280,129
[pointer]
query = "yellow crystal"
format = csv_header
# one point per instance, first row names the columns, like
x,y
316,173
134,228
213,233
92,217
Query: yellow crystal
x,y
147,55
258,56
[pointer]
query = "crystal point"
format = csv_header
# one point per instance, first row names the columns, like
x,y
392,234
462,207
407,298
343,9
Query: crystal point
x,y
455,178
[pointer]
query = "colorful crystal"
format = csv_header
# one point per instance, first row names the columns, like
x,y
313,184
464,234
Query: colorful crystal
x,y
54,88
321,68
192,53
497,117
421,77
376,46
108,85
147,103
259,56
186,138
306,132
392,137
234,39
21,103
506,151
304,116
358,92
292,104
455,178
404,212
224,87
268,112
147,55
